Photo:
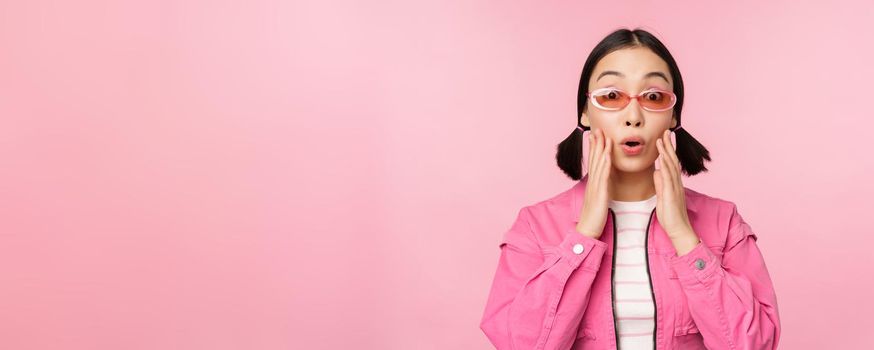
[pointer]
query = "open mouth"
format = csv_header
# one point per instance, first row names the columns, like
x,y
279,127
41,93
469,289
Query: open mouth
x,y
632,148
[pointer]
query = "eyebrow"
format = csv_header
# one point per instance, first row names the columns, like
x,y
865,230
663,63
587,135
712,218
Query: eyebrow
x,y
648,75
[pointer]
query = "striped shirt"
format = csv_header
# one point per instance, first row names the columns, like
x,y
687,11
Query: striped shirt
x,y
633,297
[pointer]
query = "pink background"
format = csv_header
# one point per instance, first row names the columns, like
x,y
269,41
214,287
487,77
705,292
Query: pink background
x,y
329,175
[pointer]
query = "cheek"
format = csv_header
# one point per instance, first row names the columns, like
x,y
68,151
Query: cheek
x,y
653,153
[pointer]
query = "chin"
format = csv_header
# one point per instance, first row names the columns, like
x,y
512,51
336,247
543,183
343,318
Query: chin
x,y
633,165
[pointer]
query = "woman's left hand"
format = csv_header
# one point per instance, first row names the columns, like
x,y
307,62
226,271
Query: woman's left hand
x,y
671,205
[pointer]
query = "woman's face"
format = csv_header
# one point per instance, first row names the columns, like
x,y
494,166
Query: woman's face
x,y
626,69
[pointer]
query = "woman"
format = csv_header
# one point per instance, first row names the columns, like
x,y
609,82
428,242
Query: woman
x,y
668,268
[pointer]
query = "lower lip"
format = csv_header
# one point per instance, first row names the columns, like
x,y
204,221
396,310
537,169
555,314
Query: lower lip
x,y
632,151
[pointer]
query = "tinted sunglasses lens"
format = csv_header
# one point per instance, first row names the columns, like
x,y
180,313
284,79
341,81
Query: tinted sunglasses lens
x,y
656,100
611,99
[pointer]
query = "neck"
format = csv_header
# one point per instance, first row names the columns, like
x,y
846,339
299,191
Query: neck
x,y
632,187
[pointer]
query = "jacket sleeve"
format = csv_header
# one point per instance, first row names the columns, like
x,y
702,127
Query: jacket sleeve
x,y
539,294
731,299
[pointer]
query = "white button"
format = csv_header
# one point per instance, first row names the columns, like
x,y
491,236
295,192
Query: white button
x,y
578,248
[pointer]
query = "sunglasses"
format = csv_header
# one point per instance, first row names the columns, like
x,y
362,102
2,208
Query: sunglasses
x,y
613,99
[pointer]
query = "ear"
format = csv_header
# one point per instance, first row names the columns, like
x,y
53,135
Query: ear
x,y
673,122
584,120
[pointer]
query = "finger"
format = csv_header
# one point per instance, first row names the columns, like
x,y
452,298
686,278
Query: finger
x,y
604,154
599,144
591,149
667,161
608,160
669,145
667,179
593,164
674,161
599,149
665,173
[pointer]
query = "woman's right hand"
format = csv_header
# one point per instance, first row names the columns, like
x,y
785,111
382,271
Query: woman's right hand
x,y
593,214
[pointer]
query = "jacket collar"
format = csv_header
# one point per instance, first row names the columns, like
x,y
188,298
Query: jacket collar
x,y
579,189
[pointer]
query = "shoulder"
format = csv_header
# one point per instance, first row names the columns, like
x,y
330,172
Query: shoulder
x,y
717,216
705,199
546,221
710,205
556,206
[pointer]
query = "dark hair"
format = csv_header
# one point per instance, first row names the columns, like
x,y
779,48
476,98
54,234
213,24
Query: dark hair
x,y
689,151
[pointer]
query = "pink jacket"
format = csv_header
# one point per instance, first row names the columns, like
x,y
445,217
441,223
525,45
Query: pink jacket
x,y
553,286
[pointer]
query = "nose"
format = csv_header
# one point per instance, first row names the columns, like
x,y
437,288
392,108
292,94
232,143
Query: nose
x,y
634,117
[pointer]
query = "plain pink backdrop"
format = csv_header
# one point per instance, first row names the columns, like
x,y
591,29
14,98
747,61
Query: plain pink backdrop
x,y
338,174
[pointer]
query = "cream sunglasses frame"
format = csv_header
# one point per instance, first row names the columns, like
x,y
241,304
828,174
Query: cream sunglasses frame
x,y
599,92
